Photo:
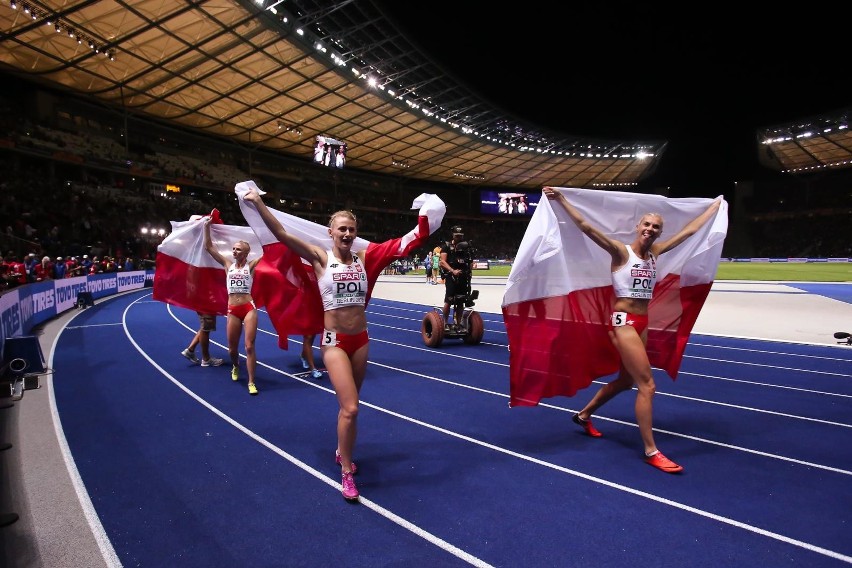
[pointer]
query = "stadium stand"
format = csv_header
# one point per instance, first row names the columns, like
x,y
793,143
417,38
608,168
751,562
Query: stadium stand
x,y
85,169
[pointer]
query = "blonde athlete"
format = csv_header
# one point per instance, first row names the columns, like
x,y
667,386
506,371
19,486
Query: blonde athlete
x,y
634,274
242,313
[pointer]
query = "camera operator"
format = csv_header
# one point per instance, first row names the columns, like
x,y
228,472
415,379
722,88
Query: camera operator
x,y
456,266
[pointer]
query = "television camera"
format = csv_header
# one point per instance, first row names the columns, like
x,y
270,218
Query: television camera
x,y
467,323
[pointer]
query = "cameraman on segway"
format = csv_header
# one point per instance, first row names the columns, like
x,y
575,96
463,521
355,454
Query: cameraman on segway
x,y
456,265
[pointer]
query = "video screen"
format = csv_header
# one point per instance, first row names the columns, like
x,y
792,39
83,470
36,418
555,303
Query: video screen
x,y
507,202
329,152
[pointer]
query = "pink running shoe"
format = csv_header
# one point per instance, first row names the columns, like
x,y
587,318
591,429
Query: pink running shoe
x,y
337,461
587,426
663,463
350,492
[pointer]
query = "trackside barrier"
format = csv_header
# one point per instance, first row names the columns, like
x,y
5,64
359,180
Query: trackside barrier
x,y
25,307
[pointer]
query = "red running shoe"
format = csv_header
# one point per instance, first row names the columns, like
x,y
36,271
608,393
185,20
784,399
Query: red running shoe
x,y
663,463
587,426
337,461
350,492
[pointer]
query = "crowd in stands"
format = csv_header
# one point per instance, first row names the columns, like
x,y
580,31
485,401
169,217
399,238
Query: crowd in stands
x,y
816,211
61,211
823,236
72,196
14,272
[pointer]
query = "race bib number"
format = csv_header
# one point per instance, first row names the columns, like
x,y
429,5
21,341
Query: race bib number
x,y
329,338
619,319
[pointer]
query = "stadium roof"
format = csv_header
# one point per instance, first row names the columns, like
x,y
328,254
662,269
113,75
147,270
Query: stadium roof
x,y
810,145
274,75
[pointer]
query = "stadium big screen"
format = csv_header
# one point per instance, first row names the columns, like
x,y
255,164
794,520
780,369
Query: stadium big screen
x,y
507,202
329,152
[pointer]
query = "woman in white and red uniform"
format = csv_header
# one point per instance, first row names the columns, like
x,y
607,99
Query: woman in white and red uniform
x,y
242,313
343,285
634,274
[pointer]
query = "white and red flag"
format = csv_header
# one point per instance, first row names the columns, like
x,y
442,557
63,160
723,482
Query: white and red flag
x,y
559,294
186,275
291,295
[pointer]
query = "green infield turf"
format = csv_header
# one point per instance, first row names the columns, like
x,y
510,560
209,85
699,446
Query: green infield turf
x,y
786,271
780,271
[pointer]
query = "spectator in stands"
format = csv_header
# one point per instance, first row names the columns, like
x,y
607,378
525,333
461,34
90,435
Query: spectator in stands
x,y
43,270
60,269
29,231
629,320
308,356
242,313
78,268
4,281
71,266
86,264
16,272
52,240
29,264
206,325
96,267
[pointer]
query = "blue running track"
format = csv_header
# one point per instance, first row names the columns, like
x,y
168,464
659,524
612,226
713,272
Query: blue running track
x,y
184,468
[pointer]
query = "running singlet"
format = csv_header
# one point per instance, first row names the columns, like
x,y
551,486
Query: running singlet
x,y
239,279
342,284
636,279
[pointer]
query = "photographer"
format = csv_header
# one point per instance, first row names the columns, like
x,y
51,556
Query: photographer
x,y
456,258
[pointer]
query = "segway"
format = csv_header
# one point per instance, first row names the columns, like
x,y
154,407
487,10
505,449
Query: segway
x,y
469,327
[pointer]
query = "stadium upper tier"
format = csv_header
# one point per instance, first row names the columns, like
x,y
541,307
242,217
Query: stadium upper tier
x,y
276,75
808,145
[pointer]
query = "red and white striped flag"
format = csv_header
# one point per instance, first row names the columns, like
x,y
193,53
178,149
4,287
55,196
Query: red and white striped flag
x,y
186,275
559,295
298,305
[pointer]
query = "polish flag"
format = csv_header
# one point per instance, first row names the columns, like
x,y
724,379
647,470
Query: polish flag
x,y
559,294
186,275
298,306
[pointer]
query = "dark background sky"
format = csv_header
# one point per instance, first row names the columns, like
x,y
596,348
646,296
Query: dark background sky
x,y
705,80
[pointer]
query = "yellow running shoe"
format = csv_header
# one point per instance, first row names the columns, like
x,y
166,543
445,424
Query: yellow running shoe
x,y
252,389
235,373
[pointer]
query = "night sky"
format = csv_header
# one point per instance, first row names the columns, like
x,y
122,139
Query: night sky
x,y
705,80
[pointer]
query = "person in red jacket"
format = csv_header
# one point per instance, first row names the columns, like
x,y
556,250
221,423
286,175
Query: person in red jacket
x,y
43,270
17,272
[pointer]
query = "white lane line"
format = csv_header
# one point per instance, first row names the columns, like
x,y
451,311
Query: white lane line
x,y
104,544
764,351
482,443
386,513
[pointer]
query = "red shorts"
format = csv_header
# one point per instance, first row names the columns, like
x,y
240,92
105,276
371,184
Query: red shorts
x,y
639,323
349,343
242,310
